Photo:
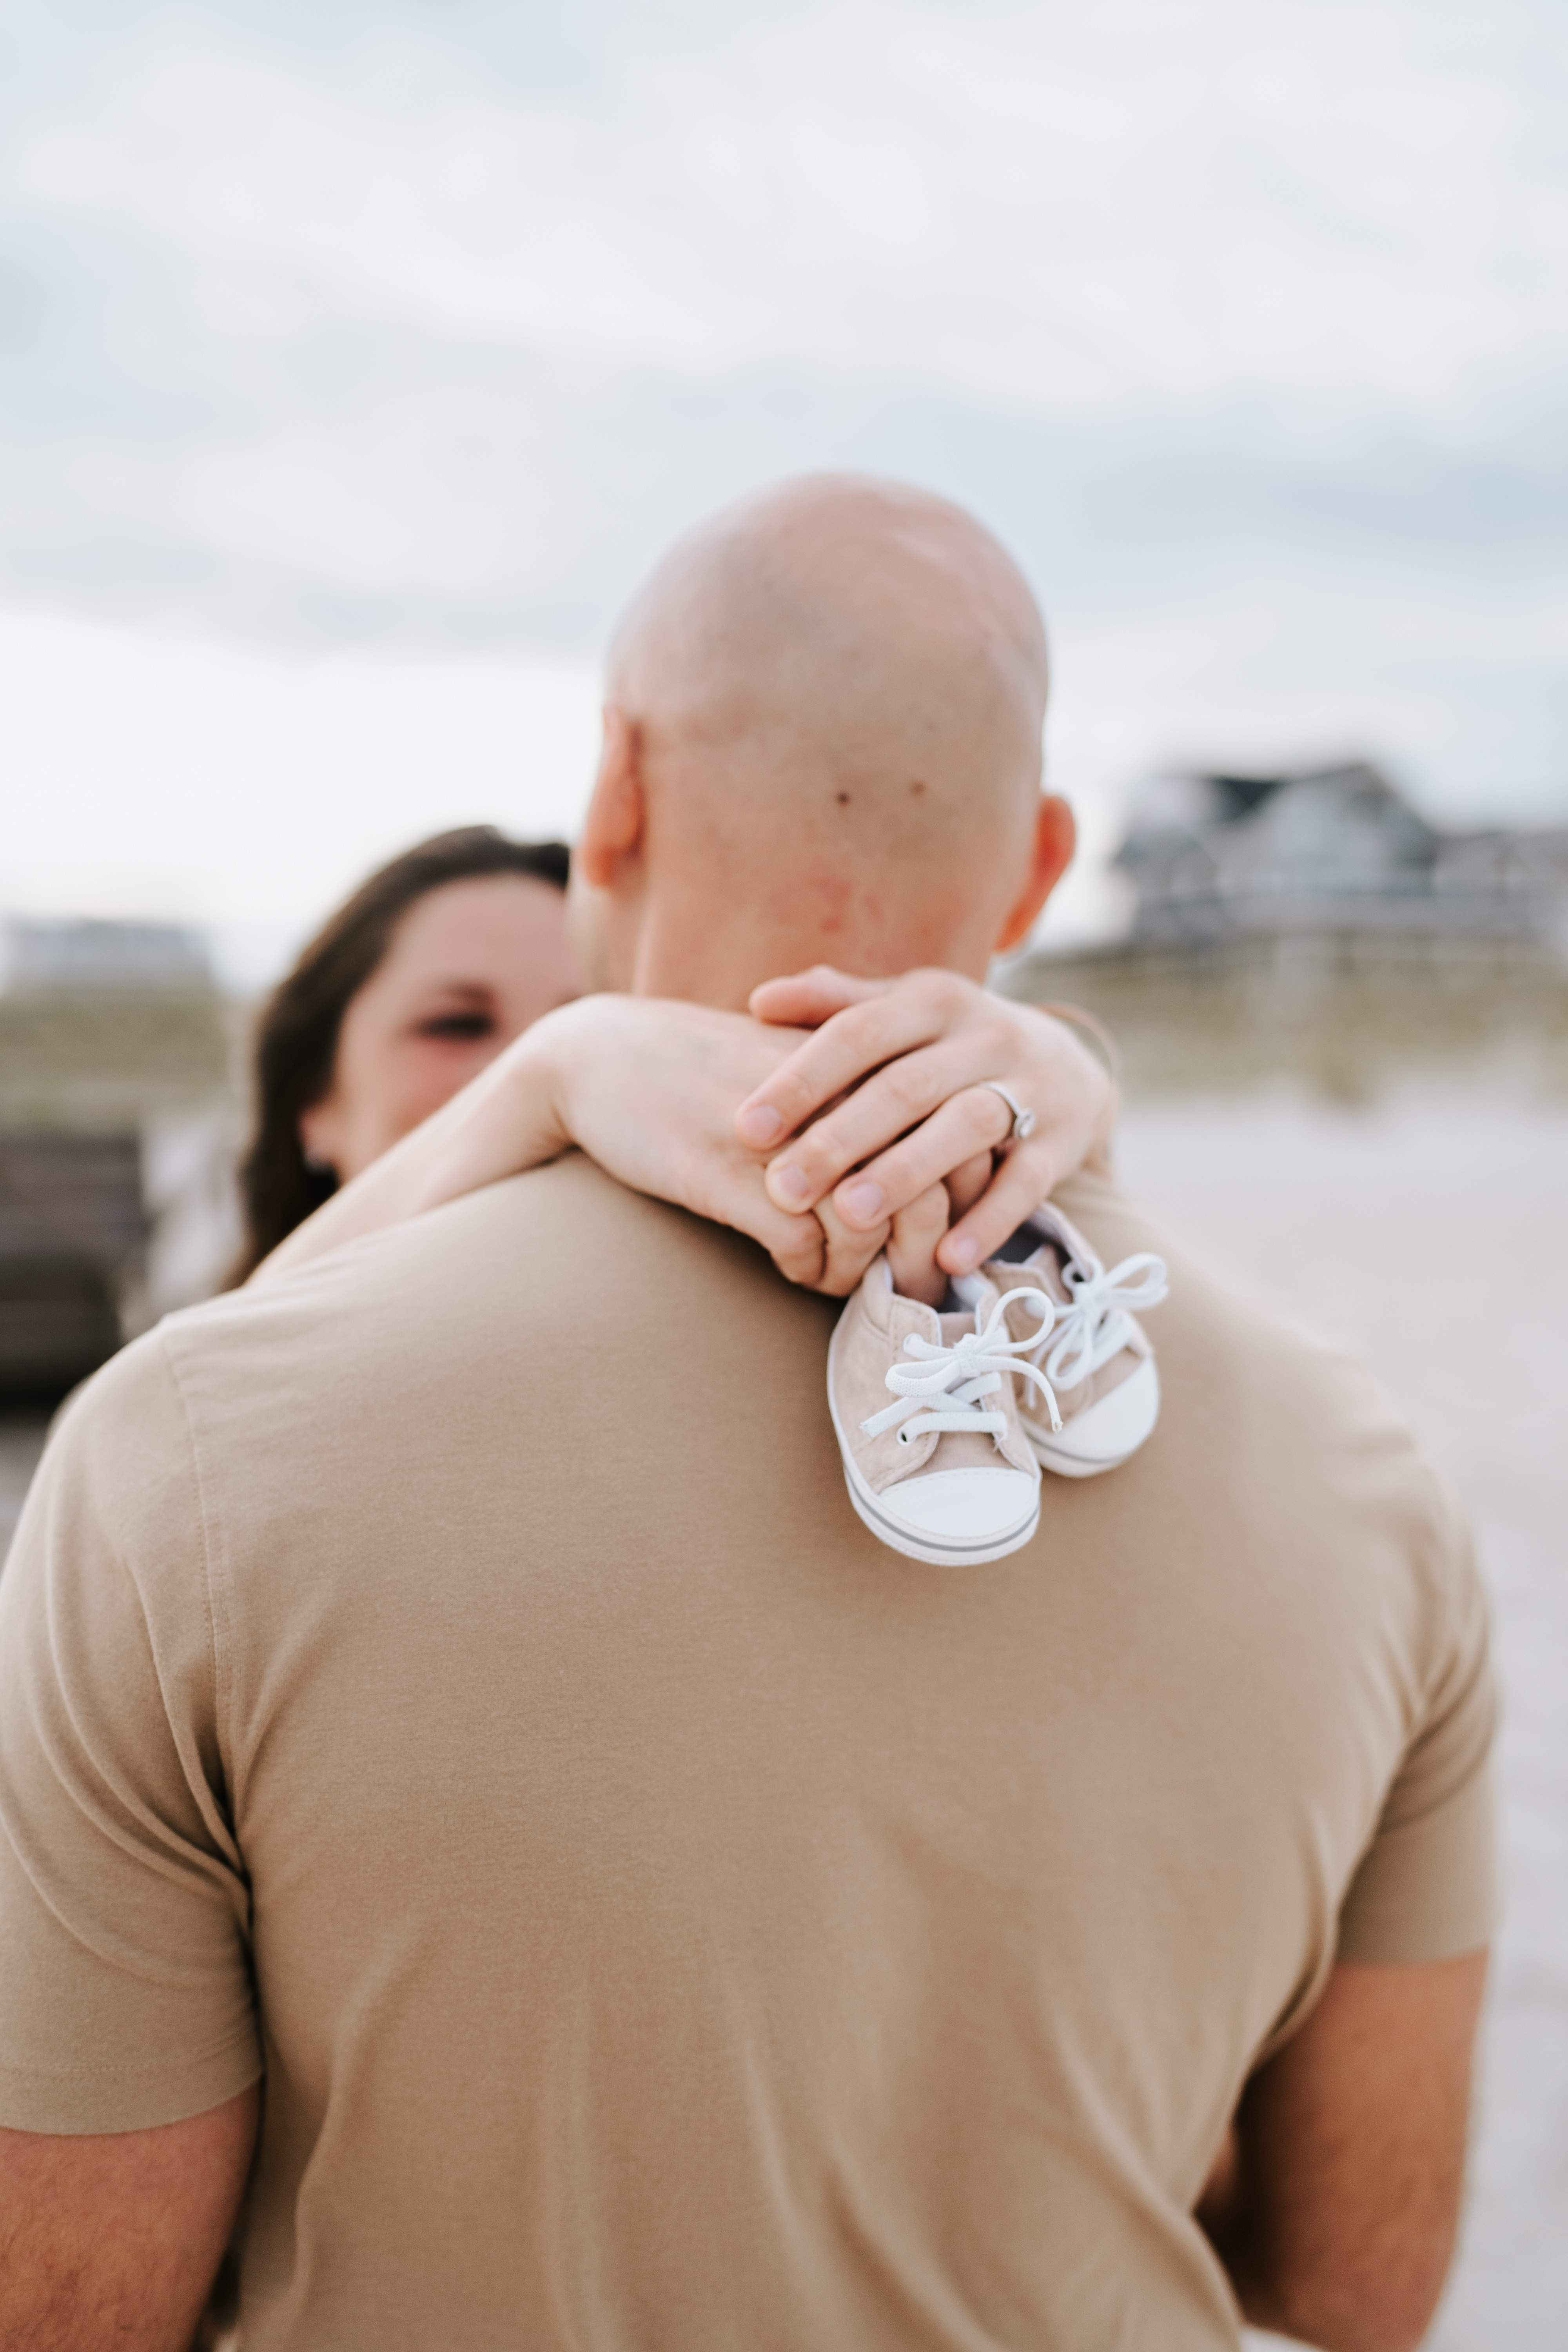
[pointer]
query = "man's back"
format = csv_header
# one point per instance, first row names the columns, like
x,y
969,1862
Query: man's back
x,y
675,1918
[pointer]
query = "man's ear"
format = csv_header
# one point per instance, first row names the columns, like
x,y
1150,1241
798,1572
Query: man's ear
x,y
1056,838
613,827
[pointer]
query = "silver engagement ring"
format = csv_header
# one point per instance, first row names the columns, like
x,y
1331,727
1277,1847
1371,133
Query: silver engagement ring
x,y
1023,1120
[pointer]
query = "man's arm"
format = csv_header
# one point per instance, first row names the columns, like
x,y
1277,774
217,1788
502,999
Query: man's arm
x,y
113,2239
1335,2204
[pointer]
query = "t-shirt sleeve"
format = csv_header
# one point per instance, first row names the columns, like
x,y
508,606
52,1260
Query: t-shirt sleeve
x,y
1428,1886
125,1991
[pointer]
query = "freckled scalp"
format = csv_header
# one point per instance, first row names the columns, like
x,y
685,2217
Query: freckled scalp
x,y
843,644
837,691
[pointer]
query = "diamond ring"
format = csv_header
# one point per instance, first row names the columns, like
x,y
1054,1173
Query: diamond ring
x,y
1023,1120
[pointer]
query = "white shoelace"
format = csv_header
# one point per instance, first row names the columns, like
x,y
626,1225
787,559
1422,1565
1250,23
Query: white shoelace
x,y
1095,1326
960,1372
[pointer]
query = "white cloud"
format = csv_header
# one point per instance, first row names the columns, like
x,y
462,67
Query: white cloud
x,y
248,789
420,328
1347,211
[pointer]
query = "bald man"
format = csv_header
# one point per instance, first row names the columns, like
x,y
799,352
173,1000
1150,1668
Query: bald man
x,y
472,1786
823,737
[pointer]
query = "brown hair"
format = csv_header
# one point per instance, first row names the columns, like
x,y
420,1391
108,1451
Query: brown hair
x,y
296,1037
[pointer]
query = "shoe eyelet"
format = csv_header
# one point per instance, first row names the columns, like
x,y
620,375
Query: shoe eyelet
x,y
904,1437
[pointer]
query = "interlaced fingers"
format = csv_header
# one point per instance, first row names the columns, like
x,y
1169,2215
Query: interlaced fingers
x,y
1094,1326
945,1394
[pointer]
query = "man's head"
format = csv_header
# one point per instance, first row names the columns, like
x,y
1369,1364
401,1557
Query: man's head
x,y
822,744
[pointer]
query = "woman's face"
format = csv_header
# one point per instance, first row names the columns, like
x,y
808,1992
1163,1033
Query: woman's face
x,y
471,966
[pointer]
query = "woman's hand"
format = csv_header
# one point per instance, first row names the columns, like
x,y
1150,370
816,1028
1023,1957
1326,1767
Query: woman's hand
x,y
890,1098
648,1087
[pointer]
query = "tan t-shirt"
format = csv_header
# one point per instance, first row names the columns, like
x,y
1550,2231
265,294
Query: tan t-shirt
x,y
455,1682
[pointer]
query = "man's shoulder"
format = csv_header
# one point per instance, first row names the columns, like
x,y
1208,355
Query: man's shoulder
x,y
117,1494
542,1276
547,1220
1221,1326
1256,1393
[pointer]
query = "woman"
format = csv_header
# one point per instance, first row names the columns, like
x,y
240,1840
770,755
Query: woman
x,y
418,981
861,1115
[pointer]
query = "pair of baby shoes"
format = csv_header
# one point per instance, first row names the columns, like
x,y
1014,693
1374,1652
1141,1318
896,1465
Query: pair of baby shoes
x,y
1035,1361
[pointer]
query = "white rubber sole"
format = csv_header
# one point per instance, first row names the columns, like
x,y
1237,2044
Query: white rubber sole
x,y
898,1538
1107,1435
937,1551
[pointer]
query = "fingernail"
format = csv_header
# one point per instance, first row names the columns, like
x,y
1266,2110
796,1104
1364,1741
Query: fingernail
x,y
864,1201
760,1123
791,1182
961,1253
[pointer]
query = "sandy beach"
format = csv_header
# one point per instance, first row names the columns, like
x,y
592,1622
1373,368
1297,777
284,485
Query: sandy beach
x,y
1427,1230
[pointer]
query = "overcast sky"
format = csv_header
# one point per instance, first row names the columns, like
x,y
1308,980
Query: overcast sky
x,y
356,360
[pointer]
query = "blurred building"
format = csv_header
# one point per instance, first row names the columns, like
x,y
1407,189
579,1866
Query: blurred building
x,y
1313,923
117,1127
1217,861
77,957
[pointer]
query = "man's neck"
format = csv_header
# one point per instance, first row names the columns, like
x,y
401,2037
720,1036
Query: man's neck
x,y
685,954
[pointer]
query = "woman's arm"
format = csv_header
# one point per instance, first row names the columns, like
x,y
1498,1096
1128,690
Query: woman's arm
x,y
647,1089
651,1090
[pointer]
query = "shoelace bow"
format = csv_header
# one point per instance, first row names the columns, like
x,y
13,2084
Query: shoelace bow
x,y
961,1371
1095,1326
